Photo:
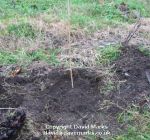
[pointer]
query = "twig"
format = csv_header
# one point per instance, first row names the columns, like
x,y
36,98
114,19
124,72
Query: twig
x,y
8,108
11,108
132,32
148,75
108,103
69,45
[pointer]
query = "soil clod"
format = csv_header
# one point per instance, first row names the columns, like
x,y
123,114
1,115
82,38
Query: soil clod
x,y
12,124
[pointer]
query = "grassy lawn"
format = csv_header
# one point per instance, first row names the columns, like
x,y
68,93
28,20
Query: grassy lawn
x,y
23,57
85,13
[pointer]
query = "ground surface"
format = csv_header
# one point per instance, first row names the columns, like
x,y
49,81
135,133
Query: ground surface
x,y
48,98
111,81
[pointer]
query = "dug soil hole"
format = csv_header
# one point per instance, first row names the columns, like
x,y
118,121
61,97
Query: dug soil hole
x,y
48,98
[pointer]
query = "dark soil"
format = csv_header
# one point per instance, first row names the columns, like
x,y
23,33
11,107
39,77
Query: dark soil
x,y
46,94
47,97
131,68
133,85
11,126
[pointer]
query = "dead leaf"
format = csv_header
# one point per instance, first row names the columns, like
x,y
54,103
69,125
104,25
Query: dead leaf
x,y
101,2
16,71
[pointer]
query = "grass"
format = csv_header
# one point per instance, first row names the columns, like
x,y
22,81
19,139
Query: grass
x,y
22,30
91,137
145,50
23,57
105,56
137,123
85,13
138,127
108,54
14,8
108,86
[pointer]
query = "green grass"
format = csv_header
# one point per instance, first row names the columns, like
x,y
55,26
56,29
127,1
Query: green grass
x,y
138,125
23,57
14,8
108,54
92,15
108,86
91,137
22,30
145,50
105,56
85,13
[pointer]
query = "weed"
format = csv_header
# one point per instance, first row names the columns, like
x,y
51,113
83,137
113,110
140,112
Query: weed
x,y
145,50
85,13
138,127
107,87
13,8
50,56
7,58
22,30
23,57
108,54
91,137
